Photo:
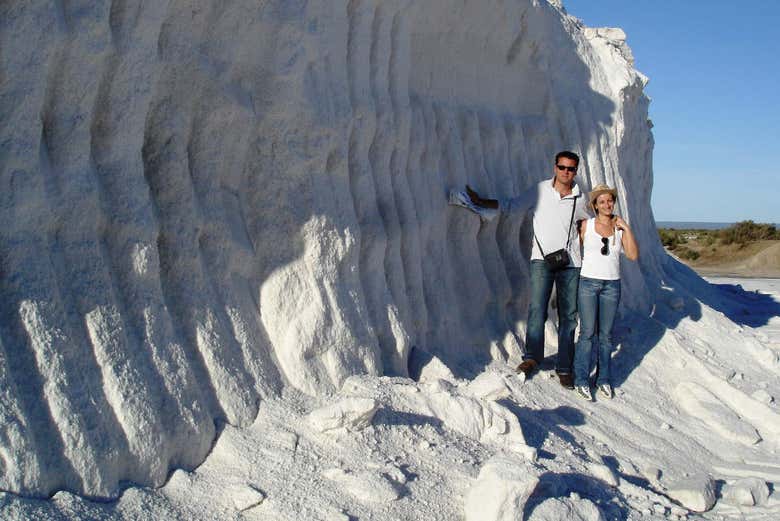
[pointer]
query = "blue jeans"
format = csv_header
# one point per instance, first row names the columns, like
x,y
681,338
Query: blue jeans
x,y
566,281
598,302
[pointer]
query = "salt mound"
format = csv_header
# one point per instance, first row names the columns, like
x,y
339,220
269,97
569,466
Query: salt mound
x,y
206,202
764,263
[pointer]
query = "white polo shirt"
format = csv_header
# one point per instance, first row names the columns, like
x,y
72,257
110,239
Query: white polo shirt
x,y
551,218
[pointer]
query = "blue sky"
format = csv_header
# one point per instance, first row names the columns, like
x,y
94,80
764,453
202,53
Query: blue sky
x,y
714,69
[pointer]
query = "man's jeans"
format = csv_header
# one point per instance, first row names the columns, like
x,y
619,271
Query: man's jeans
x,y
566,281
598,301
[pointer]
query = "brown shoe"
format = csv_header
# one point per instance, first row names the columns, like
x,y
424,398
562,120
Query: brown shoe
x,y
527,367
567,380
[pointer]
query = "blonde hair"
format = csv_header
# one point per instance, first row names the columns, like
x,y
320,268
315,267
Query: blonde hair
x,y
595,199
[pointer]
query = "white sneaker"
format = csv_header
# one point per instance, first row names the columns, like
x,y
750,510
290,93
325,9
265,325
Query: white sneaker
x,y
605,390
584,392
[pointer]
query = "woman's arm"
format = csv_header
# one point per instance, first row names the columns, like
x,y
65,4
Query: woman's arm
x,y
630,247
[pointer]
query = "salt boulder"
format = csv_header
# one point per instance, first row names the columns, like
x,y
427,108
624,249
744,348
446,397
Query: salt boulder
x,y
489,385
349,413
604,473
337,515
695,493
245,497
501,490
570,509
425,367
366,485
651,473
746,492
763,396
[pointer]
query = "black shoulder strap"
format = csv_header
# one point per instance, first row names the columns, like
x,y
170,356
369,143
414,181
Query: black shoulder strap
x,y
571,220
540,246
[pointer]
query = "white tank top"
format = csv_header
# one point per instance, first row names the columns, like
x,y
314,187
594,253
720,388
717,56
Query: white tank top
x,y
594,264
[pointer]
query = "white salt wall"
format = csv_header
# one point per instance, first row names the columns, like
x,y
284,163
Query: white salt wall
x,y
203,202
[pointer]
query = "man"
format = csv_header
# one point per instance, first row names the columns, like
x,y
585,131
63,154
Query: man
x,y
558,205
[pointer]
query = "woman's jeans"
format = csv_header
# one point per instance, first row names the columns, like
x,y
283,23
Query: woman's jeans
x,y
598,303
565,280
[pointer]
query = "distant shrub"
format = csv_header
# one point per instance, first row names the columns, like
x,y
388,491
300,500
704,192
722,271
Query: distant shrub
x,y
669,238
672,238
687,253
745,232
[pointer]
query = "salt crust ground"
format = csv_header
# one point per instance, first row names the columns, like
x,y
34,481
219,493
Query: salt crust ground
x,y
423,452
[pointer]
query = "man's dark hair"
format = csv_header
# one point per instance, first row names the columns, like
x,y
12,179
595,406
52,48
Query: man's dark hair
x,y
568,155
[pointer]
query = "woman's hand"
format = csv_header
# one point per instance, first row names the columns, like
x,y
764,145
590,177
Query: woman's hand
x,y
630,247
620,224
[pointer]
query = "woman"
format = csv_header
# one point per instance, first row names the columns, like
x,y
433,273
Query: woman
x,y
602,238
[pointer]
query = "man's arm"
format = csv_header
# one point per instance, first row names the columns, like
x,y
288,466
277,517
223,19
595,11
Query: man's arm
x,y
481,201
520,204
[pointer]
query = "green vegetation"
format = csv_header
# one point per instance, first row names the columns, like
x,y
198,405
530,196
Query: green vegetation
x,y
744,249
669,238
741,233
747,231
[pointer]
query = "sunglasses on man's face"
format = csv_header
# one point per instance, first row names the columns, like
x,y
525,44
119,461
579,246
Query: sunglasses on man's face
x,y
571,169
605,248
